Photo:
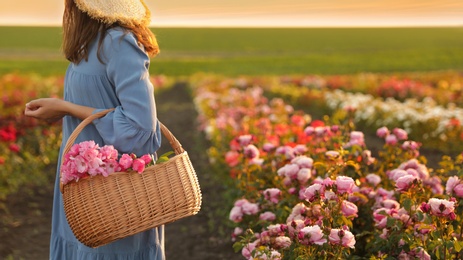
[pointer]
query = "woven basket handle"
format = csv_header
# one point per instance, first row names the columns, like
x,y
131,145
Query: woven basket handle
x,y
174,143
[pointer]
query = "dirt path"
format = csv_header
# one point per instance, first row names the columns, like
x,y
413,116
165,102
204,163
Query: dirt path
x,y
201,236
25,233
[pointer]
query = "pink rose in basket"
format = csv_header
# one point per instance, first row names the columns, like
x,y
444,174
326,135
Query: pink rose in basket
x,y
88,159
138,165
125,162
108,152
147,159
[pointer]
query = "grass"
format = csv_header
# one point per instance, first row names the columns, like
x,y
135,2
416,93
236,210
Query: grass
x,y
257,51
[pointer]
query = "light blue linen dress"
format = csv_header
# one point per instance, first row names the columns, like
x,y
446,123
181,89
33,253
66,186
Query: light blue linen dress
x,y
122,82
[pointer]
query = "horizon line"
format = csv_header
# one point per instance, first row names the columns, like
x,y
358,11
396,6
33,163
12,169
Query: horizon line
x,y
259,26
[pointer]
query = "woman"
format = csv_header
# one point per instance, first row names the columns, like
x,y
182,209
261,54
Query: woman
x,y
109,46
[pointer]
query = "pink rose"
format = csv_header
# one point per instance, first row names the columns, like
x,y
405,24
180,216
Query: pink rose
x,y
345,184
268,147
108,152
289,170
236,232
245,140
125,162
236,214
400,133
331,155
267,216
282,242
251,151
342,237
327,182
382,132
240,202
367,158
89,154
452,183
380,216
111,166
405,182
440,207
391,139
349,209
411,145
312,235
81,164
320,130
396,174
295,226
421,169
272,195
385,194
356,138
309,130
87,145
390,204
300,149
247,249
312,191
138,165
303,175
303,161
276,230
147,159
373,179
74,151
413,172
250,208
458,190
297,212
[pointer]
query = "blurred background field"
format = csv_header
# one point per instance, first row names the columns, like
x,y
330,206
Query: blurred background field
x,y
259,51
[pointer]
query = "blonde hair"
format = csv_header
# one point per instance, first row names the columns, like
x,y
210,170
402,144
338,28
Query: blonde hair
x,y
79,30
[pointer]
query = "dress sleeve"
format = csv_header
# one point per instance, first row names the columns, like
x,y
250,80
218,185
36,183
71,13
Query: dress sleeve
x,y
133,126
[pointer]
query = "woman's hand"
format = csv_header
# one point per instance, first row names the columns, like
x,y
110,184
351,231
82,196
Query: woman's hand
x,y
54,109
47,109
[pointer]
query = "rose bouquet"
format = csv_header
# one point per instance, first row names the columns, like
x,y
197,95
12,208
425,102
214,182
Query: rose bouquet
x,y
89,159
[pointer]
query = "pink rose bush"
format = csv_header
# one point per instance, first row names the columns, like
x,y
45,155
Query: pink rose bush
x,y
305,189
87,159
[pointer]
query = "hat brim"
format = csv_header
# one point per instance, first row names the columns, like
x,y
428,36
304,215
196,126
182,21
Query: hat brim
x,y
126,12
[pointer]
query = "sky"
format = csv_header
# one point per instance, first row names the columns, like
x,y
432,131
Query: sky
x,y
260,13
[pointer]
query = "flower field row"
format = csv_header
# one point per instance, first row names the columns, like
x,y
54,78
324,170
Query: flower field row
x,y
27,146
430,112
436,126
442,87
310,189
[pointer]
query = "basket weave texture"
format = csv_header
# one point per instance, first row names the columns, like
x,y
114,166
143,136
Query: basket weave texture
x,y
101,209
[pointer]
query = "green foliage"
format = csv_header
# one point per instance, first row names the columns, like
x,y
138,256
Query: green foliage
x,y
164,157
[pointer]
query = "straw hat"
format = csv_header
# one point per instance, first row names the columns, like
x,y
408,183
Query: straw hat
x,y
126,12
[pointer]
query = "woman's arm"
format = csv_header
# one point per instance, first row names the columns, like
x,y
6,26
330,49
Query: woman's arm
x,y
53,109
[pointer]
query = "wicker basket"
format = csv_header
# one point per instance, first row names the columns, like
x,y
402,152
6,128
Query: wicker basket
x,y
101,209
